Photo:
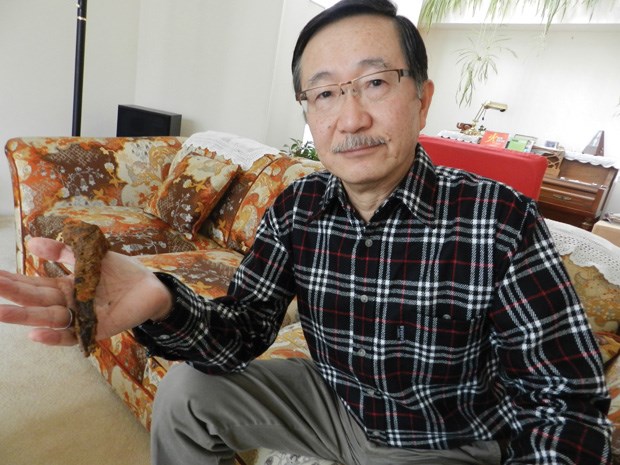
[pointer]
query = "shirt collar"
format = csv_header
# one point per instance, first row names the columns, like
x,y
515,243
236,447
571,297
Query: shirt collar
x,y
416,192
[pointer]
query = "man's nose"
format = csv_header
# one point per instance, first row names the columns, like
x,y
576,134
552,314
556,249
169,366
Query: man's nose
x,y
352,112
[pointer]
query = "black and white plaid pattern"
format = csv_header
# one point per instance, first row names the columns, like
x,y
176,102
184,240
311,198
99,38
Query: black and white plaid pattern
x,y
447,318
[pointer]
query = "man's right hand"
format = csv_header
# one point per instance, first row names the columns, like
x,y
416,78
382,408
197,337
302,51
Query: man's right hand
x,y
128,294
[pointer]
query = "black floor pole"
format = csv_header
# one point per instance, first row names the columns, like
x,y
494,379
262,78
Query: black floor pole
x,y
78,82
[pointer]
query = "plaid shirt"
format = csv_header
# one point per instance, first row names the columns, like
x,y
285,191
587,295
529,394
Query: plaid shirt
x,y
447,318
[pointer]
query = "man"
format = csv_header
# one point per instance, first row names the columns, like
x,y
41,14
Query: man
x,y
442,325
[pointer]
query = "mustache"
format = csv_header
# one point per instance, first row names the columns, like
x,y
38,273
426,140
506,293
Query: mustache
x,y
353,142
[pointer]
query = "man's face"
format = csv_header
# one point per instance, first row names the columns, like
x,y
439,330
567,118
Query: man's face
x,y
345,50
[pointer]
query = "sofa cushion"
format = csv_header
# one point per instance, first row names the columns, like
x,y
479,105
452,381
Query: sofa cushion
x,y
290,343
234,221
609,344
208,272
191,190
261,195
160,160
599,297
129,230
219,224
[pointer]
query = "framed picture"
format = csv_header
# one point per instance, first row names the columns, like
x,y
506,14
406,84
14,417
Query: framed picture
x,y
548,144
522,143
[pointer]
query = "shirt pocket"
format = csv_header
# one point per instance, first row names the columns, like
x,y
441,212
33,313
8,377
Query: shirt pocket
x,y
432,350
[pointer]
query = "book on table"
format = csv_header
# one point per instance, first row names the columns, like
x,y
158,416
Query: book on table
x,y
495,139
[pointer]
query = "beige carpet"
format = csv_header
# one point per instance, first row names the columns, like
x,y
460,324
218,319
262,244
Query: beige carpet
x,y
55,409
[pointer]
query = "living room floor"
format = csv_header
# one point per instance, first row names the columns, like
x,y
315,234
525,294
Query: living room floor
x,y
56,408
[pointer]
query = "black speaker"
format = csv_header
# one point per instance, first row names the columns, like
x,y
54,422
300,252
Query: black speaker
x,y
135,121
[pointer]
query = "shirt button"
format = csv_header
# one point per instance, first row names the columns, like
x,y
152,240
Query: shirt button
x,y
364,298
368,242
446,316
361,352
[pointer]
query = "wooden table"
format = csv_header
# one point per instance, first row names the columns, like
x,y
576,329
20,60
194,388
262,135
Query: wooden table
x,y
578,194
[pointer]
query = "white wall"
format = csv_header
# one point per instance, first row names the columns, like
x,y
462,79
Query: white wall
x,y
37,46
286,120
564,87
110,63
223,65
209,60
226,66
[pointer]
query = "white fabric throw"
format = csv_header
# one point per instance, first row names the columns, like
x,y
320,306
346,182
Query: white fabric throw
x,y
239,150
587,249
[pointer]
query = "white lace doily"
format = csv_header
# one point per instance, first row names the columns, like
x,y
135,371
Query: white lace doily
x,y
587,249
456,135
591,159
239,150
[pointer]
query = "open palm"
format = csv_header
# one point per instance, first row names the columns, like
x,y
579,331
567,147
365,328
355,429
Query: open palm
x,y
128,294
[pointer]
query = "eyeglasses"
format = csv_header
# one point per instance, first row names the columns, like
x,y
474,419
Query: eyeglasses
x,y
374,87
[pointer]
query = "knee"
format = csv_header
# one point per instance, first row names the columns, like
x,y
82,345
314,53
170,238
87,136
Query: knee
x,y
170,394
184,421
181,394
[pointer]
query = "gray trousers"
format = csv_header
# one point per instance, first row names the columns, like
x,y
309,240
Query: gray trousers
x,y
282,405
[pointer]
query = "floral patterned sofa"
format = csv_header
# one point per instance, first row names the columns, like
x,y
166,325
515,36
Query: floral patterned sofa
x,y
193,213
177,208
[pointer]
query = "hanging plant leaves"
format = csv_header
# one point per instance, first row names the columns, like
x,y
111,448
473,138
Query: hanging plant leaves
x,y
435,11
477,62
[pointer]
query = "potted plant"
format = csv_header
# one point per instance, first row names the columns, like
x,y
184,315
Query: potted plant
x,y
301,149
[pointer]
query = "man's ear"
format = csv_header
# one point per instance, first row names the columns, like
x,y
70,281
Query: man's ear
x,y
428,89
